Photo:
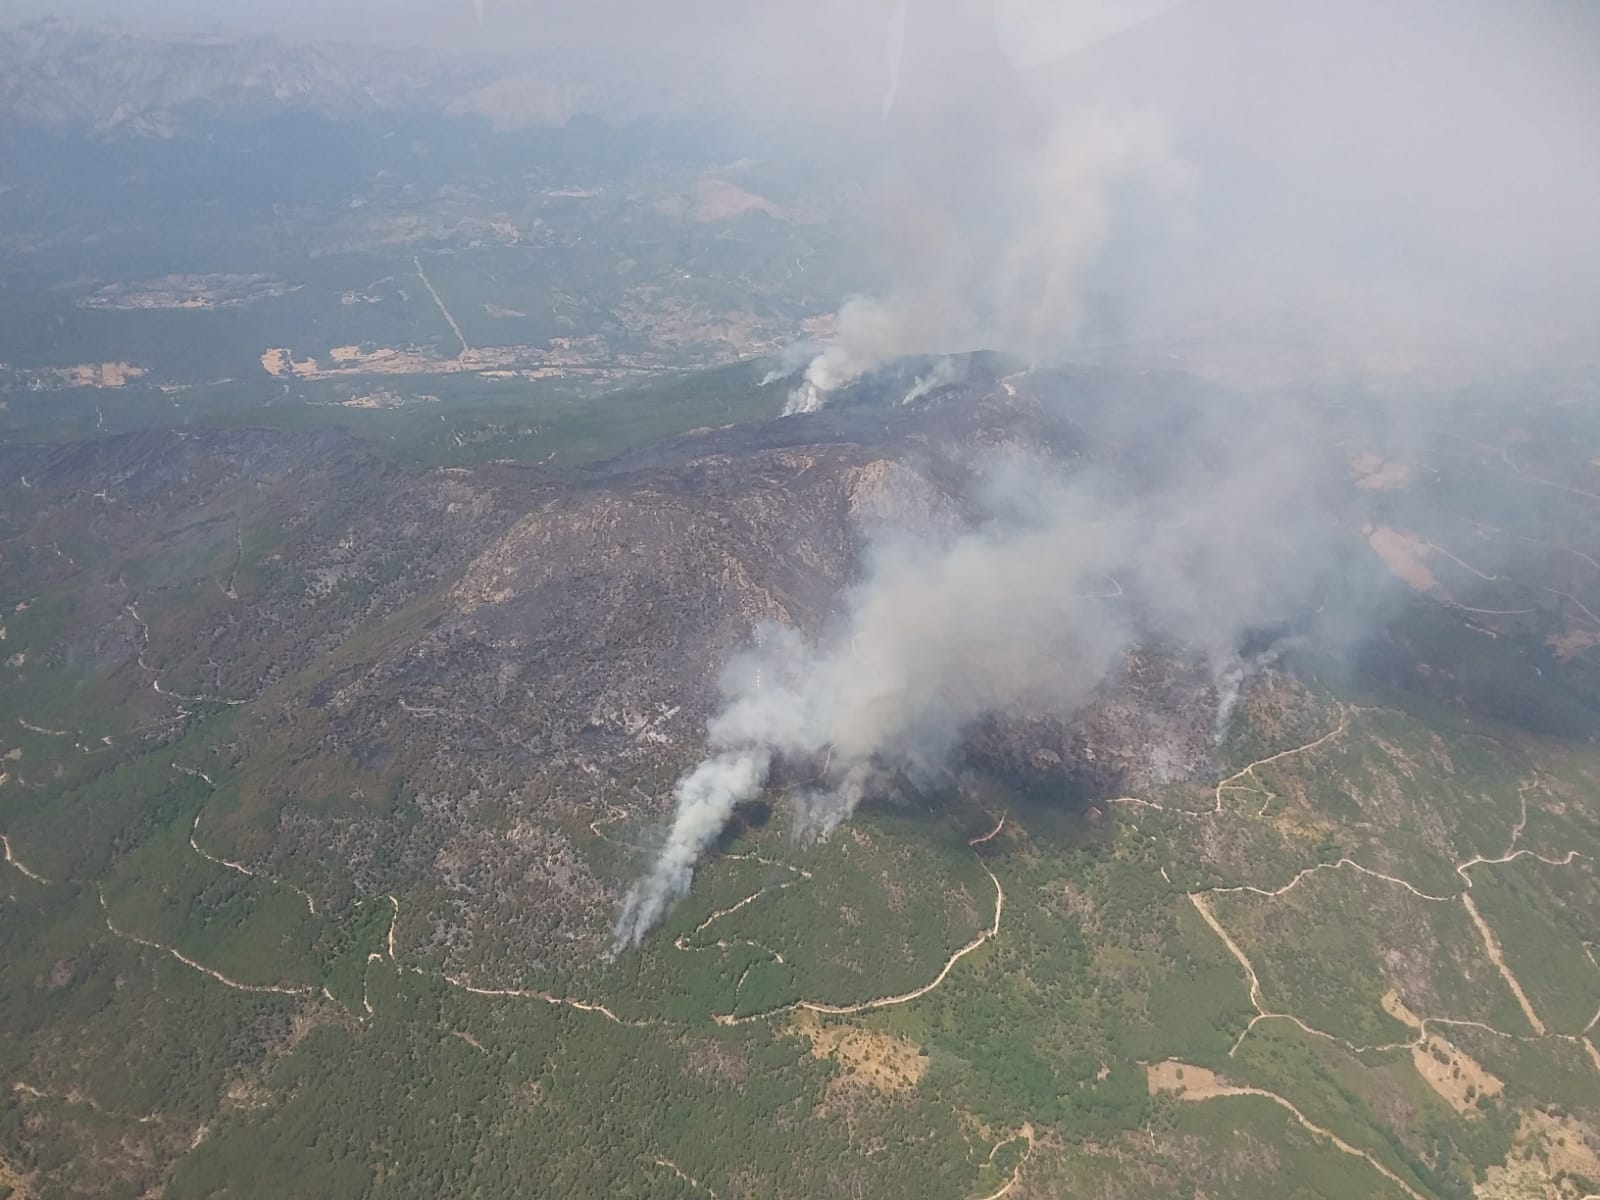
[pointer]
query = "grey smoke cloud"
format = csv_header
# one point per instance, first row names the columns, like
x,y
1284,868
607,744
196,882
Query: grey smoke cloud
x,y
1359,183
998,261
944,626
991,204
1025,613
706,799
1353,190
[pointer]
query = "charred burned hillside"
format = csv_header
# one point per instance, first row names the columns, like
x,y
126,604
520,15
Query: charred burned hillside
x,y
414,666
867,598
346,736
442,680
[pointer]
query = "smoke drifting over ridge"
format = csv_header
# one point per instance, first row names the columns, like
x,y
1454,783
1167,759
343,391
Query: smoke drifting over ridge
x,y
1352,182
1315,204
993,205
1025,611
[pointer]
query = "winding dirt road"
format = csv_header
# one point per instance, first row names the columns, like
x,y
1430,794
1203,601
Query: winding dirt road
x,y
240,868
1005,1189
1221,1091
531,994
269,988
1491,945
1232,784
684,1176
16,862
1490,941
843,1010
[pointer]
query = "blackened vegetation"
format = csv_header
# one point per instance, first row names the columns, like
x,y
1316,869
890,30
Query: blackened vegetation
x,y
437,681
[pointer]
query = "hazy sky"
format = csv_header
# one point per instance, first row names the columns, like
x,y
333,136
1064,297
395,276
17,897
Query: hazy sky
x,y
1423,152
1031,30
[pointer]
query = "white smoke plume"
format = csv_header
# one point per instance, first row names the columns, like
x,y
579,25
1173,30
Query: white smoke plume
x,y
1002,268
936,634
1345,195
950,624
790,361
1230,677
942,375
706,798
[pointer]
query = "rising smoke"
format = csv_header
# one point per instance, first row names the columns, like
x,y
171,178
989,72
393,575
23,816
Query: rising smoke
x,y
1322,203
1027,612
999,261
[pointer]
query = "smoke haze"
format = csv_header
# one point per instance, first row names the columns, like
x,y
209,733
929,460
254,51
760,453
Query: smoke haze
x,y
1024,612
1272,191
1260,192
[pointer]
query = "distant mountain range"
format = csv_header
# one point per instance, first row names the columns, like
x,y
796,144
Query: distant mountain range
x,y
65,76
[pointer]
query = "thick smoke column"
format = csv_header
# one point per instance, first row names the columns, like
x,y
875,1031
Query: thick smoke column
x,y
1386,175
999,210
706,798
995,206
931,639
1024,613
1014,287
942,375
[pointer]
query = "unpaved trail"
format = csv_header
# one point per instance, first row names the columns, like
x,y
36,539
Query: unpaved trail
x,y
266,988
532,994
668,1164
1219,1091
1490,531
907,997
16,862
506,993
733,908
366,1001
1588,948
240,868
1005,1188
768,862
1505,457
40,729
1203,906
229,589
1535,587
1571,857
428,283
991,835
1594,1054
132,610
1521,826
611,818
1232,784
684,940
1342,864
845,1010
74,1096
1491,945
